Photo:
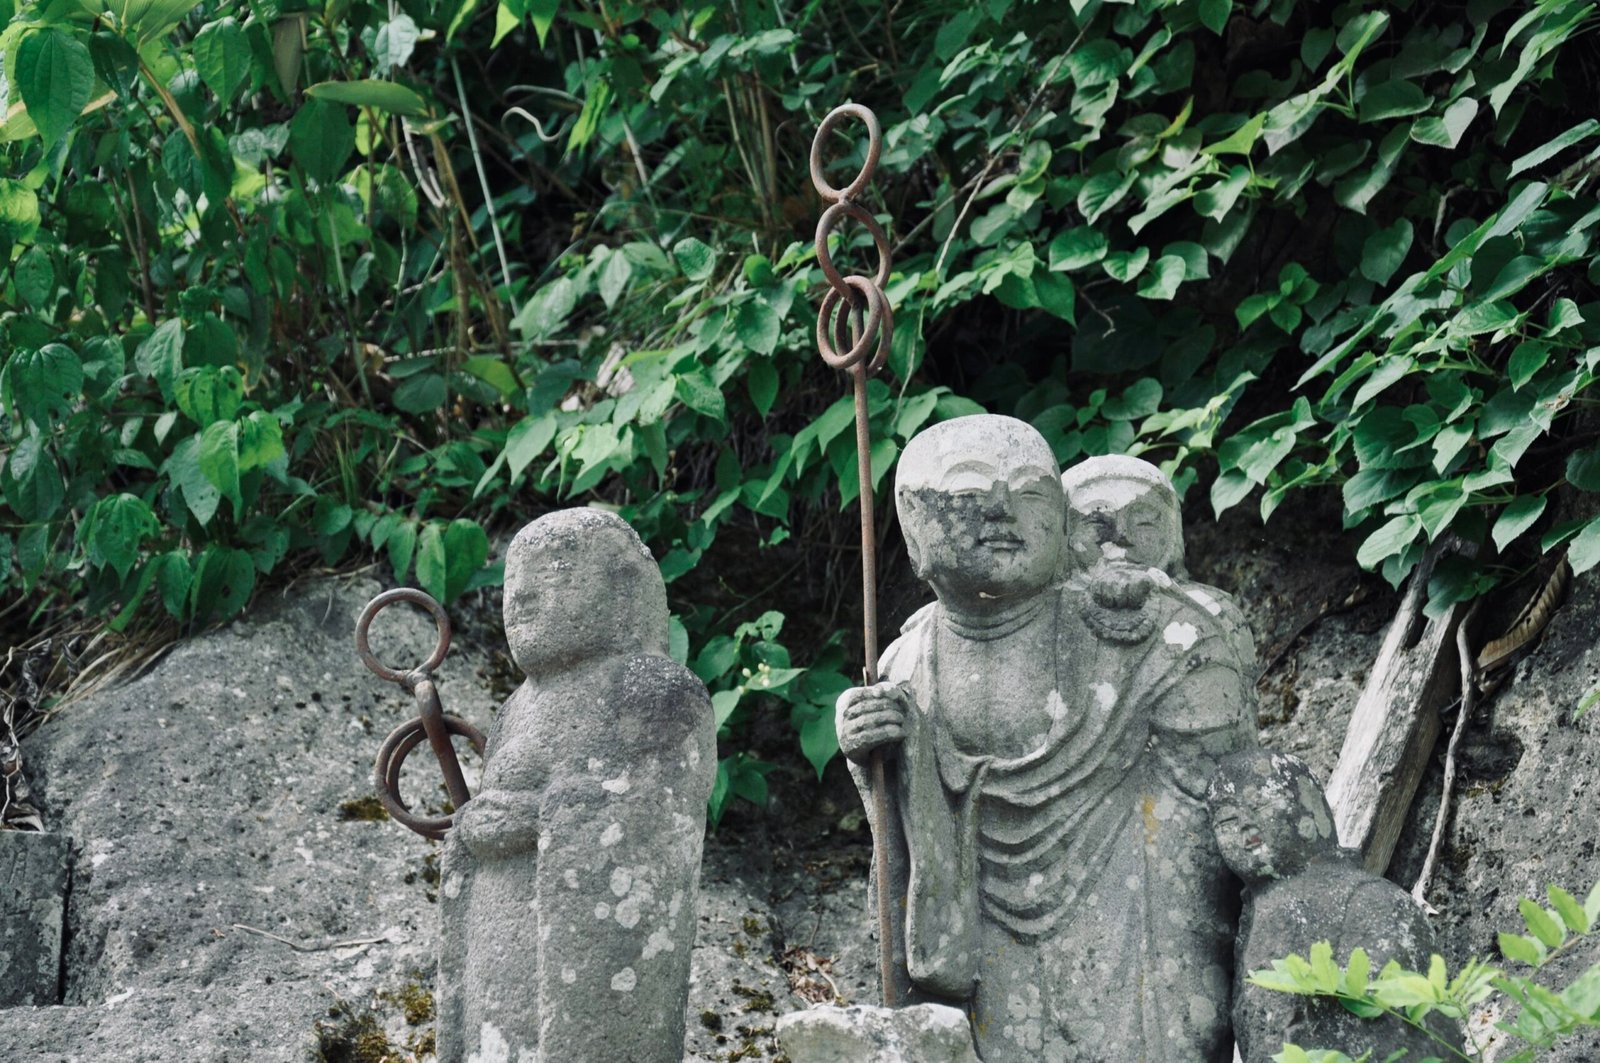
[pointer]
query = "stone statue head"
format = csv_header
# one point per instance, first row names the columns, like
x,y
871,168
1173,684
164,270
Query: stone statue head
x,y
975,497
580,584
1269,815
1123,509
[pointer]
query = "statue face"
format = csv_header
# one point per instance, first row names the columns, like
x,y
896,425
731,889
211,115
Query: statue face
x,y
988,528
1243,844
1269,815
537,599
1126,520
580,584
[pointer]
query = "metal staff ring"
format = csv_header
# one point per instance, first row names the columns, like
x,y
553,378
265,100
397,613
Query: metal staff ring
x,y
392,754
874,149
382,602
879,327
825,227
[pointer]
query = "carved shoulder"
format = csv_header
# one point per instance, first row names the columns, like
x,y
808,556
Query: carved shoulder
x,y
918,618
1383,919
1197,680
896,662
658,701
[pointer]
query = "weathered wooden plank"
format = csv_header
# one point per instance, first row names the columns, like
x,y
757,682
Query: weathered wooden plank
x,y
33,898
1395,724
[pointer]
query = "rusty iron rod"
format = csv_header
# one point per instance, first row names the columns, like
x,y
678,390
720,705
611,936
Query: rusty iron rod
x,y
870,319
432,715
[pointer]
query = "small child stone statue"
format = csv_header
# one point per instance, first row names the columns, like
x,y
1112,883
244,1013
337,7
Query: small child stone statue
x,y
1125,510
1275,830
568,889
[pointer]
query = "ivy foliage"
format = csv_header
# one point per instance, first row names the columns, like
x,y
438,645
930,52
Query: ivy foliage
x,y
289,285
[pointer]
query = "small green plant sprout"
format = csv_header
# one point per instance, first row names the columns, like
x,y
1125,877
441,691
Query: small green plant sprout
x,y
1295,1054
1405,996
1586,704
1546,1016
1549,1015
752,669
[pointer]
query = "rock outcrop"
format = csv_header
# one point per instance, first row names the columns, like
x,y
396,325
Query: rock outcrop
x,y
237,893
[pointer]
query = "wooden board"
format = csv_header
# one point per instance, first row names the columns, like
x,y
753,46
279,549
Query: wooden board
x,y
1395,723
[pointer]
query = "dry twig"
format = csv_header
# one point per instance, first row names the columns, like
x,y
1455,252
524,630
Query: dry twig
x,y
322,946
1468,692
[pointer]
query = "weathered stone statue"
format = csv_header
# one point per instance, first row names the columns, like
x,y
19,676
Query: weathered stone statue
x,y
1050,743
1275,830
1125,509
569,881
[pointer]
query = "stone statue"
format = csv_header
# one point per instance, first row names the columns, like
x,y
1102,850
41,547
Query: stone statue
x,y
1049,742
568,883
1125,509
1275,830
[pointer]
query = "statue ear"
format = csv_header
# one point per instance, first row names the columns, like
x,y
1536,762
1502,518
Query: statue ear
x,y
909,509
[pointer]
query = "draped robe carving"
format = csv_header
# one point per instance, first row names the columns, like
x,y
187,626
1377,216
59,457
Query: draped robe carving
x,y
1072,897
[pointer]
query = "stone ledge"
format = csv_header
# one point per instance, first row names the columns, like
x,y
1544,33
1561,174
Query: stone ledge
x,y
922,1033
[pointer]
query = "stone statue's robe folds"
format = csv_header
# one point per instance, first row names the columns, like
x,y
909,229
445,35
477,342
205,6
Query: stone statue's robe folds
x,y
1073,897
579,952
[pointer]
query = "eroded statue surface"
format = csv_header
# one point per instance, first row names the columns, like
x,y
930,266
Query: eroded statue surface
x,y
567,897
1051,723
1276,832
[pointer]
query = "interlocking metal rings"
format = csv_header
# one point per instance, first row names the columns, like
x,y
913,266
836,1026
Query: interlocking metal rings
x,y
382,602
401,741
854,315
829,221
431,721
844,339
874,149
879,324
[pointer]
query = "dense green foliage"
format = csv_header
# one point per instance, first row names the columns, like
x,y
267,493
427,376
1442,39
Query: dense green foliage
x,y
288,286
1545,1016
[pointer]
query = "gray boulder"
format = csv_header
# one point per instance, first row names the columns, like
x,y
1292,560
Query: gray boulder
x,y
236,891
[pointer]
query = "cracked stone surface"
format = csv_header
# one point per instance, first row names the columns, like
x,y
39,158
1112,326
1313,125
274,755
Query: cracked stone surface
x,y
220,799
226,796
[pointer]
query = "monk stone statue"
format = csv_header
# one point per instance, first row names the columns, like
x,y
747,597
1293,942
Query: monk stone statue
x,y
1050,725
1275,830
568,883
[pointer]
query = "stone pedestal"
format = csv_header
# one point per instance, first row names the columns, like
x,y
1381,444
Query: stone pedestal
x,y
33,899
924,1033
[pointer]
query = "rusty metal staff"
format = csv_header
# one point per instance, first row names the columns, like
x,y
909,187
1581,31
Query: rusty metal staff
x,y
431,721
869,326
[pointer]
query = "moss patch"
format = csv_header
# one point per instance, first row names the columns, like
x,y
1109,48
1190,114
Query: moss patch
x,y
756,999
345,1037
366,809
414,1000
